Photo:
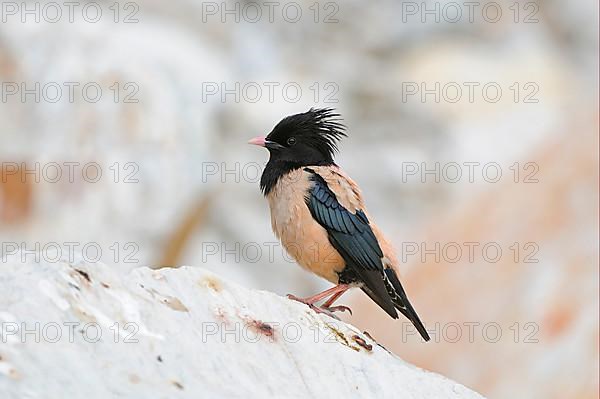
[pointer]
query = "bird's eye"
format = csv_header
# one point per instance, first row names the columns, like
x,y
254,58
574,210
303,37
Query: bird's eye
x,y
291,141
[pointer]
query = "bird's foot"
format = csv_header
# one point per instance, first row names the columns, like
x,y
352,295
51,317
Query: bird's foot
x,y
339,308
307,301
321,309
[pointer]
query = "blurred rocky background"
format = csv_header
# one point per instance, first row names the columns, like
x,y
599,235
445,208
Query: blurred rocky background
x,y
473,131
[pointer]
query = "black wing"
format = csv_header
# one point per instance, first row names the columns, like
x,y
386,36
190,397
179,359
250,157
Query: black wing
x,y
352,236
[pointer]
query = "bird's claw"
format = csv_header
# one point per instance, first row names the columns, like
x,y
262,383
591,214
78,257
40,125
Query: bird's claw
x,y
339,308
321,309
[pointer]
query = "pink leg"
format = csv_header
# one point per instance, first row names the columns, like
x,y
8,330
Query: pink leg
x,y
330,301
333,293
333,298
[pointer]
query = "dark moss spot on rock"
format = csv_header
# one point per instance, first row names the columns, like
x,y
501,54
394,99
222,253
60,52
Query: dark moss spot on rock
x,y
362,343
84,274
262,328
74,286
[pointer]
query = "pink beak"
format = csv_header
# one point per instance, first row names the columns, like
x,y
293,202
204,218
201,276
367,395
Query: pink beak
x,y
259,141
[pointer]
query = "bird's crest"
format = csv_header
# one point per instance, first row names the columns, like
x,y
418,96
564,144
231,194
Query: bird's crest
x,y
322,126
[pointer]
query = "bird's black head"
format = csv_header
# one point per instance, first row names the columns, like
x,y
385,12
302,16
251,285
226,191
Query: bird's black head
x,y
309,138
305,139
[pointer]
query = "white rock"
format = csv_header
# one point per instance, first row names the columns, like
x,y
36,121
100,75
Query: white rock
x,y
74,330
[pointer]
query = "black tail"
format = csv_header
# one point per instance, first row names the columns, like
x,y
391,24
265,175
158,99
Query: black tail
x,y
402,303
384,301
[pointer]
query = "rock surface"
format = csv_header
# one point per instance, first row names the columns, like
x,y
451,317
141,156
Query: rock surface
x,y
71,329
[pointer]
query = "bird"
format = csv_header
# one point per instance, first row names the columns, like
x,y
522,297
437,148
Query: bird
x,y
319,215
